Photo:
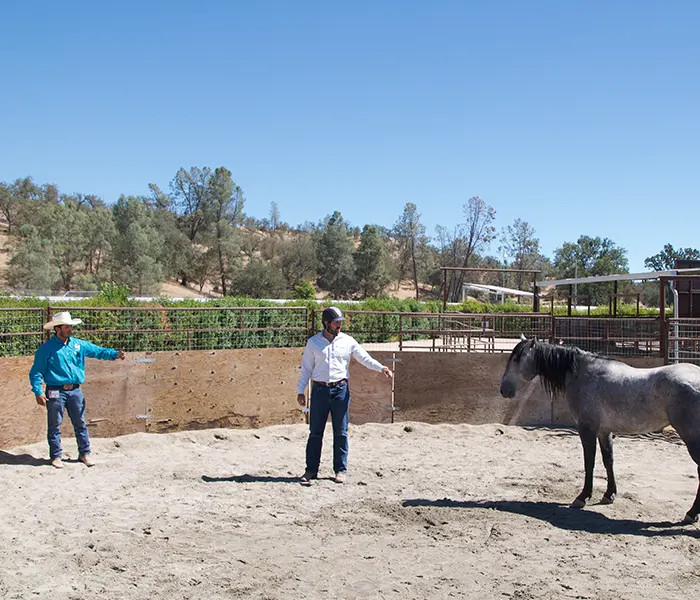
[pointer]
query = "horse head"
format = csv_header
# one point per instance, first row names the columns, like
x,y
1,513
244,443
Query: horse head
x,y
520,368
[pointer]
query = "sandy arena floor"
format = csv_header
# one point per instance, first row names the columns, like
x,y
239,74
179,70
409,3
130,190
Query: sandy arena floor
x,y
428,511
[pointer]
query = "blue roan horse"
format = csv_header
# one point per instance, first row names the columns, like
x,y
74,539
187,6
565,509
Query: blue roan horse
x,y
607,396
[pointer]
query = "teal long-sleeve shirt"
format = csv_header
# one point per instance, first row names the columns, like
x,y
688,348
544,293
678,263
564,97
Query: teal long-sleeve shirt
x,y
56,363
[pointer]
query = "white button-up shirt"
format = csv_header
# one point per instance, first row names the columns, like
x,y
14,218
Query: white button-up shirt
x,y
330,361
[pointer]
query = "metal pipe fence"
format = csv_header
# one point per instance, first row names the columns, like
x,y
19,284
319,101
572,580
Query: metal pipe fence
x,y
139,329
21,330
683,341
143,329
194,328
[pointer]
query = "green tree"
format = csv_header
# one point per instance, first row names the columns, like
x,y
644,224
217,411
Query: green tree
x,y
665,260
69,240
370,263
203,266
137,248
99,230
13,197
304,290
31,266
189,197
465,241
521,250
411,240
179,255
587,257
297,258
226,210
275,221
259,279
334,250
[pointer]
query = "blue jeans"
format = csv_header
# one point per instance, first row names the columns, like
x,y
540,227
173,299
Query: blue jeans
x,y
74,402
335,400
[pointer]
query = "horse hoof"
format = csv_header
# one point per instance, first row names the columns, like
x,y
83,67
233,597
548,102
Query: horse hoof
x,y
607,499
688,520
577,503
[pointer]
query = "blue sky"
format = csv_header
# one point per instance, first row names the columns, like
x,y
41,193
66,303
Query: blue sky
x,y
580,118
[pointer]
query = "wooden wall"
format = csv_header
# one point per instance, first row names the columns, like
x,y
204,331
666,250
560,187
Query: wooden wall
x,y
171,391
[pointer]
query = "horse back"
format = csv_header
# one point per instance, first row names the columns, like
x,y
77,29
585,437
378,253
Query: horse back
x,y
613,396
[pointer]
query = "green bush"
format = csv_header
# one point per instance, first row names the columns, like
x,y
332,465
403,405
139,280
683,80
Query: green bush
x,y
304,291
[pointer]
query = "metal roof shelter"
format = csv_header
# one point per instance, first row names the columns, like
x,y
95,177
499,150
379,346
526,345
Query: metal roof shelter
x,y
500,292
662,276
614,277
533,272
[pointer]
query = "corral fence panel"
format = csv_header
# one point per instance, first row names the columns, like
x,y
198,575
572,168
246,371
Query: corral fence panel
x,y
21,330
209,328
683,341
623,336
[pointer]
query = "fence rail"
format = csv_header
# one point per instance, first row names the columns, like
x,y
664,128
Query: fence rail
x,y
683,341
209,328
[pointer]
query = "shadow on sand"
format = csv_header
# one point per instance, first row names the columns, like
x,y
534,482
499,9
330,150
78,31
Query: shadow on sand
x,y
7,458
565,517
246,478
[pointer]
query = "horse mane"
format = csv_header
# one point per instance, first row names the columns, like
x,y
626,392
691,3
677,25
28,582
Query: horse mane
x,y
553,363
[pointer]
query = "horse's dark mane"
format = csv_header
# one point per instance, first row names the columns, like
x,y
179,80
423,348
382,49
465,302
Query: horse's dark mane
x,y
553,363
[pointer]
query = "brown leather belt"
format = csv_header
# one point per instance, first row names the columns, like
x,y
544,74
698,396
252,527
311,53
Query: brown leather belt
x,y
67,387
330,383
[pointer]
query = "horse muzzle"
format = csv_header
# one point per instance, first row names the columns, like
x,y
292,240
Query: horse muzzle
x,y
507,389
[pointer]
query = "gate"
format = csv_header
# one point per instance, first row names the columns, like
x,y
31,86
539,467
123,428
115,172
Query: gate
x,y
683,341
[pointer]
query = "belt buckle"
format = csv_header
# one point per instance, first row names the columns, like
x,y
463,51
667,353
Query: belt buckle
x,y
68,387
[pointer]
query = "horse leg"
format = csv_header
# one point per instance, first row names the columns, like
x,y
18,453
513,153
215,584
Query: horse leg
x,y
692,515
606,450
588,438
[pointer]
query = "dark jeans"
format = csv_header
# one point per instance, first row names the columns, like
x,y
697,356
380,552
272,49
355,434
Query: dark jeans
x,y
74,402
335,400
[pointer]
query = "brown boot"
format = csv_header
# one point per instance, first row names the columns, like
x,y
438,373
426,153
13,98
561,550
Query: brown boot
x,y
340,477
307,477
57,463
86,460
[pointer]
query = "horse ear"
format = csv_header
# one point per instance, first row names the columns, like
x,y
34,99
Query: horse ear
x,y
522,337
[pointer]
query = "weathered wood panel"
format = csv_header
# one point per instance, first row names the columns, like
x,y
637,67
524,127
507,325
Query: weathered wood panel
x,y
22,420
438,387
371,392
255,388
178,390
223,388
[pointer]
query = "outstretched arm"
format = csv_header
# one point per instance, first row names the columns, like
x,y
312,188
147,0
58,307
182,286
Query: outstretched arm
x,y
362,356
94,351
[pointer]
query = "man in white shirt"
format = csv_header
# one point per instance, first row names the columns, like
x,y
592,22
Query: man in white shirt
x,y
326,361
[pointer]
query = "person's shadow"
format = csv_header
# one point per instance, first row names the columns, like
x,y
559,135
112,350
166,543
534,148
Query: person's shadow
x,y
7,458
246,478
563,516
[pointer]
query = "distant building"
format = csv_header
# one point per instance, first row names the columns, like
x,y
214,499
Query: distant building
x,y
688,290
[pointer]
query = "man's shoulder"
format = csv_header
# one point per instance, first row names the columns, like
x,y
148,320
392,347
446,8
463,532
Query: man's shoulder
x,y
346,338
316,338
48,343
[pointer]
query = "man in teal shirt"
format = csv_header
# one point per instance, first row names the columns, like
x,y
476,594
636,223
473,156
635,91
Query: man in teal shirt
x,y
59,363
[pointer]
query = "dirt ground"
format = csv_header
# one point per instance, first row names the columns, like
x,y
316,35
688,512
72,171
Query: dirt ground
x,y
428,511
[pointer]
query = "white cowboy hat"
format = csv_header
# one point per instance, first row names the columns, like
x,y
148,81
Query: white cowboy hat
x,y
62,318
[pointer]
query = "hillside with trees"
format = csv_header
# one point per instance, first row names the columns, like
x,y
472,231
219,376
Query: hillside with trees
x,y
198,234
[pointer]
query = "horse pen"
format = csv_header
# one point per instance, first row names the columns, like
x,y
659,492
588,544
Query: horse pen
x,y
453,490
